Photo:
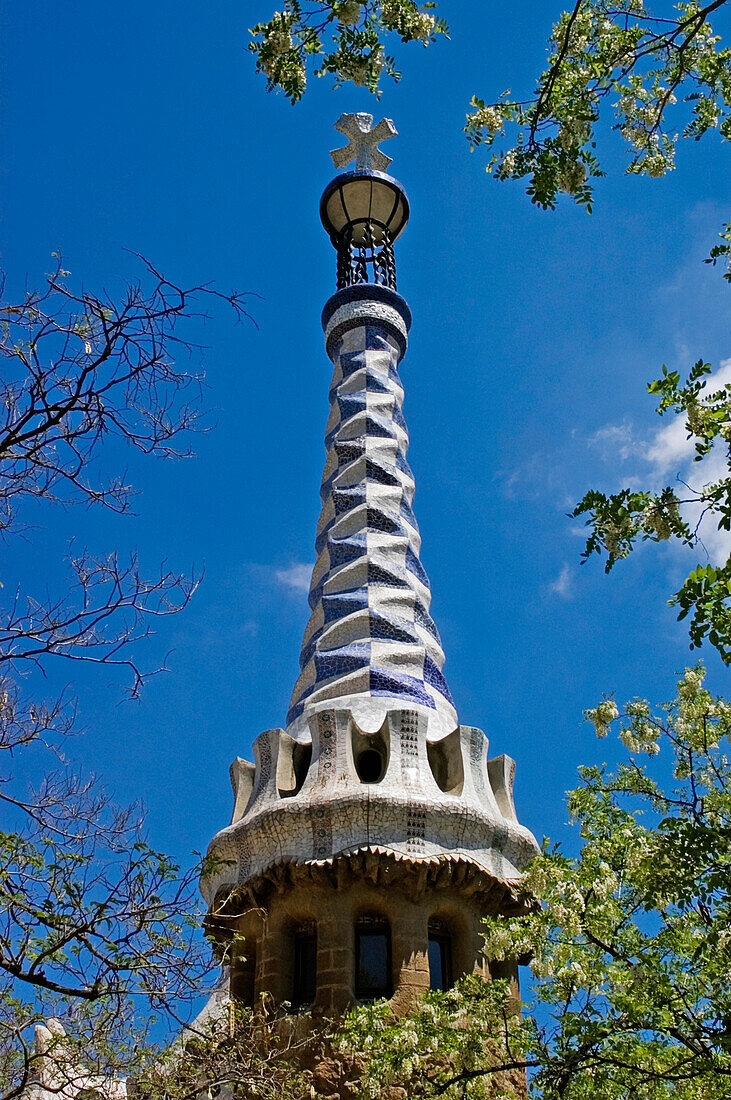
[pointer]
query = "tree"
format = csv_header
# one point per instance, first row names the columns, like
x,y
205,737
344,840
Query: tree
x,y
346,38
242,1051
95,925
651,69
632,946
621,520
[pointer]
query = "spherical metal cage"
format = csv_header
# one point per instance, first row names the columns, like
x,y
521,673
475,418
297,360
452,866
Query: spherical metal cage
x,y
358,198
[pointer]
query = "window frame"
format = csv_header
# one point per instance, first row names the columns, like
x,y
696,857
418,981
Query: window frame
x,y
442,937
373,926
304,940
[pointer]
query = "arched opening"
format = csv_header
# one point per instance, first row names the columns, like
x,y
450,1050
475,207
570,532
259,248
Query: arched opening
x,y
440,955
369,766
301,760
304,968
370,755
445,761
373,970
293,765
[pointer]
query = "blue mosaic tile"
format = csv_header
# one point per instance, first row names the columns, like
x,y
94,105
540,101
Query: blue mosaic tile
x,y
366,362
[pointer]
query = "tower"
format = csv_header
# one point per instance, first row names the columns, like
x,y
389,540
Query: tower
x,y
372,834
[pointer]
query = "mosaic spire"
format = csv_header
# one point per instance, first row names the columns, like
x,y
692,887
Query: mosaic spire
x,y
370,636
370,633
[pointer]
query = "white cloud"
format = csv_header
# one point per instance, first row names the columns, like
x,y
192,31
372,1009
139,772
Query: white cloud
x,y
668,460
615,441
563,585
670,448
296,577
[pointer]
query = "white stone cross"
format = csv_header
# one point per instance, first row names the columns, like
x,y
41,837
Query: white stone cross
x,y
363,139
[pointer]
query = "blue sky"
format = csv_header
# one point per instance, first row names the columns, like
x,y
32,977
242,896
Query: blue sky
x,y
144,127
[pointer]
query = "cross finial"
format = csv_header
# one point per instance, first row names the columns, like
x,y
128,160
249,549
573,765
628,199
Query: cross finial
x,y
363,139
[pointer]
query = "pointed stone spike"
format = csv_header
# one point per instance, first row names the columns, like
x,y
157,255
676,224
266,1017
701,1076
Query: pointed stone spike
x,y
501,772
242,781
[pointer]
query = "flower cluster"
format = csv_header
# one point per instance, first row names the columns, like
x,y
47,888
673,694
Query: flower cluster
x,y
601,716
570,177
692,682
278,56
488,118
661,517
404,17
349,12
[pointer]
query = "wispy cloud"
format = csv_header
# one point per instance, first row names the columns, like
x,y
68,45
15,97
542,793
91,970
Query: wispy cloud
x,y
563,585
615,441
296,577
667,458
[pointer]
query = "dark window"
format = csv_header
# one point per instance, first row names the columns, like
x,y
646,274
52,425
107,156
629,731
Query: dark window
x,y
372,959
305,968
369,766
440,960
243,975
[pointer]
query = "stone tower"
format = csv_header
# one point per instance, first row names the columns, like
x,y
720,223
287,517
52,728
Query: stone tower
x,y
371,835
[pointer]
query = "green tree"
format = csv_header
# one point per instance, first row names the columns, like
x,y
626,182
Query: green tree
x,y
631,948
619,521
660,76
343,38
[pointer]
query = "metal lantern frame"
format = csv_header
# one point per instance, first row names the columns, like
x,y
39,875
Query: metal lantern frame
x,y
364,212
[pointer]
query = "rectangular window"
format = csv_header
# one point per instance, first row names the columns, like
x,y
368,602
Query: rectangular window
x,y
373,961
305,969
440,961
243,974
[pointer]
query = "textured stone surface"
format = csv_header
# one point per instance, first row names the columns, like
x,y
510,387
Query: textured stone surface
x,y
406,814
363,139
328,901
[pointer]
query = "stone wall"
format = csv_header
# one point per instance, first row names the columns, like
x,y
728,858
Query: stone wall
x,y
263,921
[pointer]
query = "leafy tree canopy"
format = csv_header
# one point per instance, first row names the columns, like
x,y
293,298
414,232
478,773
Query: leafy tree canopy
x,y
662,75
630,950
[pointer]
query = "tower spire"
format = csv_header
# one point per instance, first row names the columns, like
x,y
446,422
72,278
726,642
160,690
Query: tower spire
x,y
370,643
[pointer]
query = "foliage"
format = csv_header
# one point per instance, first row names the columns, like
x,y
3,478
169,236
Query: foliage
x,y
631,949
344,38
242,1051
663,75
95,926
79,370
621,520
722,251
440,1048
